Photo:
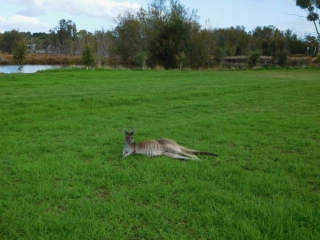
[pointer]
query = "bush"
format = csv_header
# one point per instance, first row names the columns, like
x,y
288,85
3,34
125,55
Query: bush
x,y
20,53
181,59
282,58
254,59
141,59
219,54
88,56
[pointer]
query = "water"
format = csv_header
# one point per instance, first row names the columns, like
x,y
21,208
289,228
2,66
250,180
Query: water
x,y
27,68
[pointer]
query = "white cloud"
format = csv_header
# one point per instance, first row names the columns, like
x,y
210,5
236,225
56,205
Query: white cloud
x,y
21,23
25,15
106,9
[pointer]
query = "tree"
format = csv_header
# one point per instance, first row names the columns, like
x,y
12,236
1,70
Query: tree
x,y
295,45
219,54
270,40
311,43
9,40
129,36
141,59
254,59
181,60
101,38
235,39
63,37
20,53
88,56
84,38
311,6
282,58
170,32
202,46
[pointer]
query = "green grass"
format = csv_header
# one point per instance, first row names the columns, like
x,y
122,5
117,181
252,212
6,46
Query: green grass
x,y
62,175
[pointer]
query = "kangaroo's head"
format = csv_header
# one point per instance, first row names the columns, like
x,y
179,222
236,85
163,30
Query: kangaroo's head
x,y
129,136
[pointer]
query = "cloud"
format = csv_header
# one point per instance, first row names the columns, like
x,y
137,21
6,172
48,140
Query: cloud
x,y
26,14
21,23
105,9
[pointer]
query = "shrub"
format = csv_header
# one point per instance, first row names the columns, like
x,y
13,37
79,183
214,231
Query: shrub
x,y
282,58
219,55
158,67
88,56
20,53
141,59
254,59
181,59
4,60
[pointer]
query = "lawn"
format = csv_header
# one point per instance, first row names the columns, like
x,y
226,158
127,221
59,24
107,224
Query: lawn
x,y
62,175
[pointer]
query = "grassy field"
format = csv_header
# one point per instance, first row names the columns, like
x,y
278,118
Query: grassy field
x,y
62,175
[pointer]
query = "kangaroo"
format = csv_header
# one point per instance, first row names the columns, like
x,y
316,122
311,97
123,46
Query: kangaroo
x,y
159,147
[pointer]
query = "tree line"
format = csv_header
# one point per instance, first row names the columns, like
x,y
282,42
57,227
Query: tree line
x,y
166,34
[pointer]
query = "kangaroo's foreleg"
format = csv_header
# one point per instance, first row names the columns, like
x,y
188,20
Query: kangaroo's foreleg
x,y
124,152
128,153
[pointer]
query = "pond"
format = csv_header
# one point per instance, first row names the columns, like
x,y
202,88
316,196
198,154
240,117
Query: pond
x,y
28,68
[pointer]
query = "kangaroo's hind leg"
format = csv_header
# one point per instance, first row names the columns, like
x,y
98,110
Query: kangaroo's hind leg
x,y
188,155
177,156
178,151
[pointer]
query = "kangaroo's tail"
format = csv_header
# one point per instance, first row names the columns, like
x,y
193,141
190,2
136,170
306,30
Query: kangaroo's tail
x,y
197,152
205,153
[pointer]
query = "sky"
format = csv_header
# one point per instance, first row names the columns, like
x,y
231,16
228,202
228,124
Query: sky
x,y
93,15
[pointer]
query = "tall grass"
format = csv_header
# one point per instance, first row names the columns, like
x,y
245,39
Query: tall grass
x,y
62,175
40,59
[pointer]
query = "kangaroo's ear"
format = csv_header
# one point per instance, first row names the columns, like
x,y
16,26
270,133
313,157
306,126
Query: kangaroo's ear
x,y
125,130
134,131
